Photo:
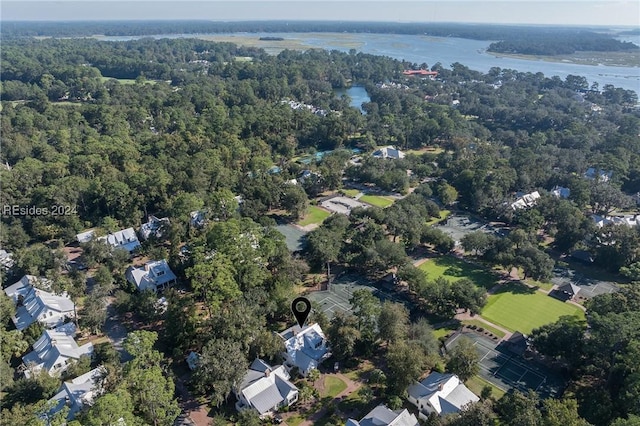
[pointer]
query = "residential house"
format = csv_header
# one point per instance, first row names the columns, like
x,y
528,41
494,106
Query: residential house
x,y
54,351
154,275
560,192
78,394
124,239
6,260
421,73
628,220
525,201
86,236
598,174
265,389
34,304
441,394
154,227
305,348
389,152
198,219
381,415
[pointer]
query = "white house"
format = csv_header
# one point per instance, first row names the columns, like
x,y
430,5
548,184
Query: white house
x,y
265,389
124,239
34,304
154,275
6,260
381,415
305,348
628,220
154,227
78,393
441,394
389,152
54,351
526,200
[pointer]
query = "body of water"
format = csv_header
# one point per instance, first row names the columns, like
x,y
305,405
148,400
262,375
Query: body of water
x,y
448,50
357,94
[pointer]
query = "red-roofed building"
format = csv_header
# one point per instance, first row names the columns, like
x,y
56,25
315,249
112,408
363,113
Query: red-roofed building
x,y
422,73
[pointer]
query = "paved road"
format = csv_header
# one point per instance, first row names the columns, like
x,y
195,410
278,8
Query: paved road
x,y
115,331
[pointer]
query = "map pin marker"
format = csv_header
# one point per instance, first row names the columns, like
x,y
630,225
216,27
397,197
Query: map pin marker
x,y
301,308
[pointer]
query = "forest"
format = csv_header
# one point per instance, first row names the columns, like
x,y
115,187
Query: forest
x,y
122,130
528,40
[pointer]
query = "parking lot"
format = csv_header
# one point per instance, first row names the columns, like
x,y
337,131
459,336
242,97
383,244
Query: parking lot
x,y
342,205
507,371
588,287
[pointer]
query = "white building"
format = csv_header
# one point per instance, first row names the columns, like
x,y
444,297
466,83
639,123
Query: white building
x,y
54,351
526,201
389,152
79,393
560,192
628,220
441,394
154,275
381,415
34,304
265,389
125,239
305,348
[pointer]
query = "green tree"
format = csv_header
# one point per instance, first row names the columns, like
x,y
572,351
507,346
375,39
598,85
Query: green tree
x,y
562,412
343,334
393,322
213,278
406,364
366,307
108,409
294,201
222,365
152,395
140,345
519,409
563,339
463,360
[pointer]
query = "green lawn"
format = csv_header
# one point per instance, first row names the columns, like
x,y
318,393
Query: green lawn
x,y
127,81
350,192
377,200
333,386
294,420
443,331
476,383
314,215
454,269
522,309
443,215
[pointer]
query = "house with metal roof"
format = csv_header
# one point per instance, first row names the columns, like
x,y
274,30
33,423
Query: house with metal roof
x,y
154,275
155,227
381,415
265,389
305,348
77,394
441,394
389,152
34,304
54,351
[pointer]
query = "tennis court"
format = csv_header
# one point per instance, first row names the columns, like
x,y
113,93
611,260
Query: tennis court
x,y
507,371
336,298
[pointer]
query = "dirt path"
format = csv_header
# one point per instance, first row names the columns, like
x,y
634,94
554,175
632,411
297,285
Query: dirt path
x,y
351,387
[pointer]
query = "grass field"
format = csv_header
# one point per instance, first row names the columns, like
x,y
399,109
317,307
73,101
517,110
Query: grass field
x,y
443,215
127,81
350,192
523,309
476,383
314,215
333,386
377,200
454,269
443,331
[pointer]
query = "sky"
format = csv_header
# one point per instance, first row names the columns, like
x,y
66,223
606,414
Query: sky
x,y
554,12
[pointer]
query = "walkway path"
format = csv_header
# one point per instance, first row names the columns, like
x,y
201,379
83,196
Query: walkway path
x,y
351,387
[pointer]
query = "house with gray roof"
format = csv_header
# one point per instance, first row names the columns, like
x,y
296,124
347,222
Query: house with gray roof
x,y
154,275
598,174
125,239
54,351
155,227
265,389
305,348
389,152
441,394
77,394
566,291
34,304
381,416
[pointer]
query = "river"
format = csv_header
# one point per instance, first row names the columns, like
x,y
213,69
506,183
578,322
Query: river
x,y
446,50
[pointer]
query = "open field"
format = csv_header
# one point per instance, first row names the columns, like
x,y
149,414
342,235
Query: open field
x,y
455,269
350,192
477,383
377,200
614,59
333,386
522,309
314,215
127,81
